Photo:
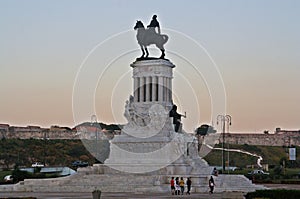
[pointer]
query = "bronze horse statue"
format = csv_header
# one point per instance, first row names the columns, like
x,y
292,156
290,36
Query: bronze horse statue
x,y
146,37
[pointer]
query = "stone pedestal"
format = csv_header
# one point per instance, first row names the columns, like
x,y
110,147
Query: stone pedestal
x,y
148,144
148,141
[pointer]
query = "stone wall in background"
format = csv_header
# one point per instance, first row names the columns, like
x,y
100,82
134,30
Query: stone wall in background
x,y
39,135
56,135
287,139
263,139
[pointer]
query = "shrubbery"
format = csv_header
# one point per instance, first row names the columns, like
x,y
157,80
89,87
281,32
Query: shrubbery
x,y
274,194
19,175
52,152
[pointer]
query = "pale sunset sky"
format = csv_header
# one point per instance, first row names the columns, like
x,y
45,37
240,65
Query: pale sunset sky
x,y
254,46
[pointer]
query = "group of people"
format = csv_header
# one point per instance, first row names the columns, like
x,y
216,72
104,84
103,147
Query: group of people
x,y
177,186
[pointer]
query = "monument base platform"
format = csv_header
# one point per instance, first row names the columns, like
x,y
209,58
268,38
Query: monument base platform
x,y
88,179
111,176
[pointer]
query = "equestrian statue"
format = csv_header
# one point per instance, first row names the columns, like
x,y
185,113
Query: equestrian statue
x,y
149,36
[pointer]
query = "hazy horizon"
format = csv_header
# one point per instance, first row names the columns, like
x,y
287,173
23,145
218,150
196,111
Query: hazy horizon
x,y
255,45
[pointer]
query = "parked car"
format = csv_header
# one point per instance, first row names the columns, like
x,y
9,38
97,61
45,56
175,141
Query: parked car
x,y
258,172
37,164
79,163
8,178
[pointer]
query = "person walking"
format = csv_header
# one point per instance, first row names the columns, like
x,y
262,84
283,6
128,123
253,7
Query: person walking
x,y
189,184
172,182
211,184
181,184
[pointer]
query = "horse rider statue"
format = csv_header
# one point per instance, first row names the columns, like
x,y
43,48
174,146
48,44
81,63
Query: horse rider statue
x,y
149,36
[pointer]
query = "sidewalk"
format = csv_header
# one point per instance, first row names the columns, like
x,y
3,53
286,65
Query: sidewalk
x,y
233,195
283,186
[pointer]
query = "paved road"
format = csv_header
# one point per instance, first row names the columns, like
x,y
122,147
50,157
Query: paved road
x,y
118,195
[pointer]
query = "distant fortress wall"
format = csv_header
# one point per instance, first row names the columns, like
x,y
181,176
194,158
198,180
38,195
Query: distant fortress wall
x,y
232,138
39,135
279,138
287,139
83,131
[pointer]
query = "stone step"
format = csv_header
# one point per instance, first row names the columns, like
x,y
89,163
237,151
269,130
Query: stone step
x,y
6,188
130,183
90,188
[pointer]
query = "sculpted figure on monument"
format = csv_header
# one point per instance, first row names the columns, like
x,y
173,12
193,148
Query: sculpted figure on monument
x,y
146,37
129,113
153,24
135,116
176,117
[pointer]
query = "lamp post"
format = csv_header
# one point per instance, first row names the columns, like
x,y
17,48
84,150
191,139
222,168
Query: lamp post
x,y
95,124
224,119
45,147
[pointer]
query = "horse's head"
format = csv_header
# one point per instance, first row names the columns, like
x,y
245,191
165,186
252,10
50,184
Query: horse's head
x,y
138,24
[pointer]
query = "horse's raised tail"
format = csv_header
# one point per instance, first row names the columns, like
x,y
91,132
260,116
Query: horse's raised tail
x,y
165,38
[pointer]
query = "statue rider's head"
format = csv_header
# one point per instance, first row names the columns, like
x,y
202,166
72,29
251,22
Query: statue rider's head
x,y
154,17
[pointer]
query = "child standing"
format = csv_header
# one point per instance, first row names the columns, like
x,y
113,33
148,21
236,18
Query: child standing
x,y
181,184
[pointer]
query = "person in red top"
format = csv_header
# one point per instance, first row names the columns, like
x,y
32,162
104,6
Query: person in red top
x,y
172,186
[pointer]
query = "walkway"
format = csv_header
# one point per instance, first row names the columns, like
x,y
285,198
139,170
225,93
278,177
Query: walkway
x,y
118,195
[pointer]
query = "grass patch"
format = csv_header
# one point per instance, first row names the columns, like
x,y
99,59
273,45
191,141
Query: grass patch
x,y
271,155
